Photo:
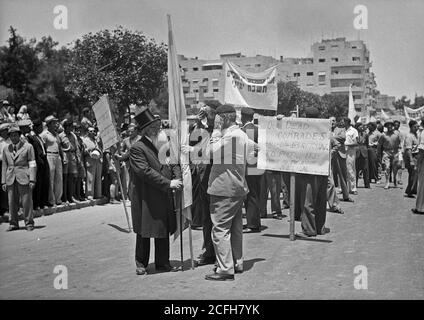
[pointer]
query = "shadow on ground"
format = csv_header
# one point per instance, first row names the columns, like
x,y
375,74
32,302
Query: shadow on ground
x,y
287,236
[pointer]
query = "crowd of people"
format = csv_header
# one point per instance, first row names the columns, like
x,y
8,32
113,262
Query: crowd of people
x,y
67,158
57,163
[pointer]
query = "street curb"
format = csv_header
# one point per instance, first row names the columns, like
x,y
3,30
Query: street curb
x,y
62,208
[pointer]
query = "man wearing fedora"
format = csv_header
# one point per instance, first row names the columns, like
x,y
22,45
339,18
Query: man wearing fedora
x,y
388,150
18,178
54,158
153,181
93,153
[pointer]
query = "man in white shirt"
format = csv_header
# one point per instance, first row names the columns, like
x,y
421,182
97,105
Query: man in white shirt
x,y
351,144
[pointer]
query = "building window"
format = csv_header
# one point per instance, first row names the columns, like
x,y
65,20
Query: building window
x,y
205,79
356,58
335,72
195,69
321,77
321,60
309,74
334,46
215,90
310,85
356,71
247,65
257,65
185,90
321,48
296,74
185,69
215,83
196,90
354,47
356,96
205,90
335,59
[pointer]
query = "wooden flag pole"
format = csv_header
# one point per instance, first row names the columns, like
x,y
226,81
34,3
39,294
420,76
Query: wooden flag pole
x,y
181,234
190,244
124,202
292,205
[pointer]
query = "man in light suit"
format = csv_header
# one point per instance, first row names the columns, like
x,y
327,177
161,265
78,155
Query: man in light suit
x,y
228,189
18,178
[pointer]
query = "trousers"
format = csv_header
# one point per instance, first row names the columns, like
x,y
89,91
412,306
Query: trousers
x,y
142,251
16,192
94,178
252,202
227,232
351,168
56,178
339,171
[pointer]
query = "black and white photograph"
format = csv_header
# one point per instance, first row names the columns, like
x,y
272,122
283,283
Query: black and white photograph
x,y
193,151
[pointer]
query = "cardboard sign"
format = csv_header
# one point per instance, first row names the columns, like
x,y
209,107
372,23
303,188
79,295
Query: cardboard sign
x,y
297,145
106,122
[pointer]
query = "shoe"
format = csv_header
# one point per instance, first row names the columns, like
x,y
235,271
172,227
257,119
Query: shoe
x,y
324,231
305,235
410,196
238,269
354,192
167,268
203,261
416,211
140,271
386,187
89,198
219,277
348,200
30,228
114,201
336,210
12,228
252,230
75,200
277,216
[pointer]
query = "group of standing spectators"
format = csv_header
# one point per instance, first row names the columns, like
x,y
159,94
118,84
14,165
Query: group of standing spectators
x,y
62,162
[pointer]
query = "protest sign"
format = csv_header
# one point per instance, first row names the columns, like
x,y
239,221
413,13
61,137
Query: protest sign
x,y
106,121
414,114
248,89
297,145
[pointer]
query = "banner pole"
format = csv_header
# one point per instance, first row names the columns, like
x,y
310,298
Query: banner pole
x,y
181,233
292,205
190,244
118,171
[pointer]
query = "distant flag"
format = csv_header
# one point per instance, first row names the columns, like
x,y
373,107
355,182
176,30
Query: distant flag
x,y
178,122
352,112
384,116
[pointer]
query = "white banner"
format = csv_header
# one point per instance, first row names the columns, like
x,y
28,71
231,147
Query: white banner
x,y
248,89
413,114
298,145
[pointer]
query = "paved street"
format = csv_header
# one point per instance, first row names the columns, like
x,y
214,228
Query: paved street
x,y
377,231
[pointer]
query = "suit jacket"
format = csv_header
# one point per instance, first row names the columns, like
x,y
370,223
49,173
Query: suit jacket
x,y
252,166
21,166
39,151
362,149
151,202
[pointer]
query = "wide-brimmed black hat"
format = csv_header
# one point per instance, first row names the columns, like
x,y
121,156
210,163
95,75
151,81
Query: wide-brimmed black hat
x,y
145,118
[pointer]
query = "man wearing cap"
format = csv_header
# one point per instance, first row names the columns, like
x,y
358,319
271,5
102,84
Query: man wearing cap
x,y
228,188
388,150
351,144
25,127
361,161
40,196
4,142
151,202
71,158
254,176
18,178
54,158
93,154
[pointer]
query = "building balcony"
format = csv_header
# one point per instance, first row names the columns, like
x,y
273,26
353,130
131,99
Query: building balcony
x,y
347,76
209,95
346,89
190,95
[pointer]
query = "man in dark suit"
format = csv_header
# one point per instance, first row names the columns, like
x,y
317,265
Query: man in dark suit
x,y
18,178
254,176
362,156
40,195
151,203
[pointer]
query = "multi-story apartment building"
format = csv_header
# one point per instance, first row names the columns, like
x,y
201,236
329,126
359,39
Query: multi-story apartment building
x,y
334,65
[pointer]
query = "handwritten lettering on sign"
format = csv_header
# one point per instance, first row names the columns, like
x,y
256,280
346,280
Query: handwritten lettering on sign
x,y
297,145
105,122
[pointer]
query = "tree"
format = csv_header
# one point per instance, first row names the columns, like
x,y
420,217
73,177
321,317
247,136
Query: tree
x,y
288,97
126,65
335,105
402,102
418,101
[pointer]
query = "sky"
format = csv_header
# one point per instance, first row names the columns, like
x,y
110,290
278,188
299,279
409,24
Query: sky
x,y
207,28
